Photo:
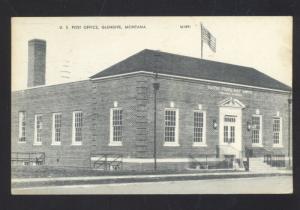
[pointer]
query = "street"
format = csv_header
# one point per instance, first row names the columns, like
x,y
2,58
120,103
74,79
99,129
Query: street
x,y
256,185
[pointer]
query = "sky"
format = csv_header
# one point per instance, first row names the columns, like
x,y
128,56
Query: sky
x,y
264,43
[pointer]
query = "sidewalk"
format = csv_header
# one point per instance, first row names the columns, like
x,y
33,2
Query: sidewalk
x,y
59,181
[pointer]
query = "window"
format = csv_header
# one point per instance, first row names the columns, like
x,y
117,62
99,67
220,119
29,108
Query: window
x,y
277,131
22,126
56,129
256,129
38,125
229,118
77,128
116,124
199,128
229,135
171,127
232,134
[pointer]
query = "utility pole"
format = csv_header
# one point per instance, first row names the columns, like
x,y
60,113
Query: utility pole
x,y
155,89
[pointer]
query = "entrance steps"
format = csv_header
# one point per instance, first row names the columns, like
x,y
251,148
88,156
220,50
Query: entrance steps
x,y
258,165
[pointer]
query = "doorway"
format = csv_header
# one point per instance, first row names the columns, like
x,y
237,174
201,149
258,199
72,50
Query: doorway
x,y
230,129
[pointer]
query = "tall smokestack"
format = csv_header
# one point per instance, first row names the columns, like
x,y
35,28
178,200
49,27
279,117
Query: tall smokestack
x,y
36,62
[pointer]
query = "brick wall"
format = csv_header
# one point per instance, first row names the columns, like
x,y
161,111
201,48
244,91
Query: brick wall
x,y
64,98
126,92
186,96
134,95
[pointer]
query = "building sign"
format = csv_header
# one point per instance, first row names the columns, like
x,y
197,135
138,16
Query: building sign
x,y
229,91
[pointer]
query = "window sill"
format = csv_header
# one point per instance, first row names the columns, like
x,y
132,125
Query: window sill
x,y
55,144
115,144
22,142
257,145
277,145
76,143
37,143
171,144
227,144
199,145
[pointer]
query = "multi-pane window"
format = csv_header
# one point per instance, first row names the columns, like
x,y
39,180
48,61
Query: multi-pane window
x,y
170,126
277,131
22,124
226,134
199,127
229,128
56,133
116,126
38,129
229,118
232,134
229,134
77,127
256,129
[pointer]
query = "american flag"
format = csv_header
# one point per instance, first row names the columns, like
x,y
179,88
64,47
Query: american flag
x,y
208,38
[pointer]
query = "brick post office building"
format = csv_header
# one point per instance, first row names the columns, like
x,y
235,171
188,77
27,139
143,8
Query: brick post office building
x,y
203,109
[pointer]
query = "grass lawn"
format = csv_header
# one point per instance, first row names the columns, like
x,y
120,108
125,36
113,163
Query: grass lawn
x,y
47,171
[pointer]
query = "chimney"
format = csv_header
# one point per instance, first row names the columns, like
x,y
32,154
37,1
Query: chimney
x,y
36,62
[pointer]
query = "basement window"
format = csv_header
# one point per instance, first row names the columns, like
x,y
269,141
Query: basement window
x,y
171,127
22,127
116,126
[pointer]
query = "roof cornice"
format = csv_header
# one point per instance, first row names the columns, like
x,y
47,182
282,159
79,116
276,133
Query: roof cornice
x,y
189,78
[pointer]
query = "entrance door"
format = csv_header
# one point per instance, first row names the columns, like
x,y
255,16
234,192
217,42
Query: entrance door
x,y
229,129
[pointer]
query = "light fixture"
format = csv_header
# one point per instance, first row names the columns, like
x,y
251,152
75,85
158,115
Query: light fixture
x,y
156,86
257,111
215,124
115,104
172,104
249,126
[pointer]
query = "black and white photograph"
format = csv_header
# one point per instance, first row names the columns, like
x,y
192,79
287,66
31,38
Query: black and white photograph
x,y
151,105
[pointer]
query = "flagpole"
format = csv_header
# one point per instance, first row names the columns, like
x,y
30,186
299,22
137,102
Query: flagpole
x,y
201,42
